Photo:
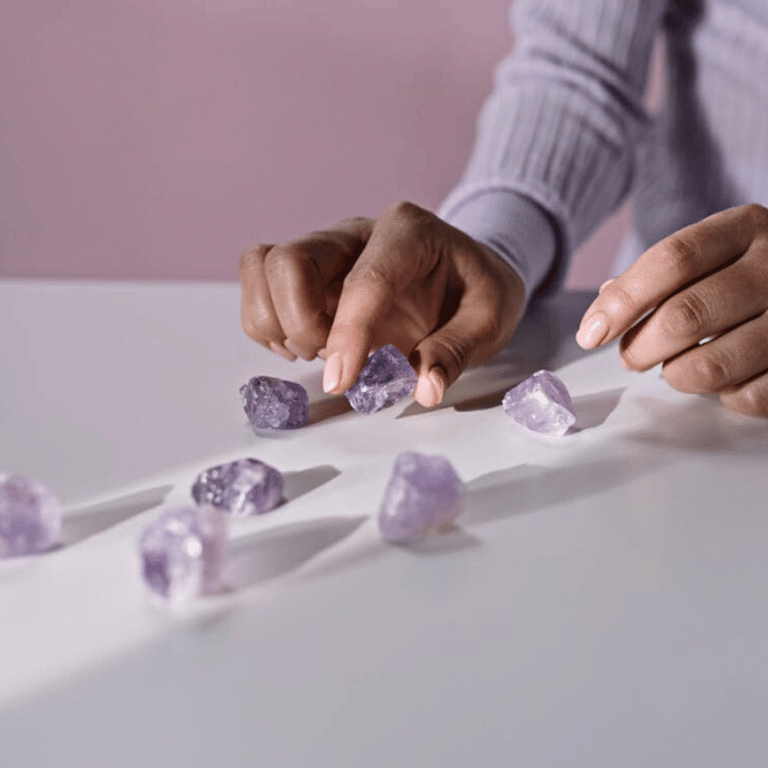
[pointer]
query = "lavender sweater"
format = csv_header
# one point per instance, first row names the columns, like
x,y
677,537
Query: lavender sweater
x,y
565,137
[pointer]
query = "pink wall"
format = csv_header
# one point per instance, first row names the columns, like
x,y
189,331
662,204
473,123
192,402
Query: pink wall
x,y
158,138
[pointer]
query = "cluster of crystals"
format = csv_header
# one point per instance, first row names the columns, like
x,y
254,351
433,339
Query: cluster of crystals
x,y
183,552
30,517
542,404
386,378
423,494
243,487
275,403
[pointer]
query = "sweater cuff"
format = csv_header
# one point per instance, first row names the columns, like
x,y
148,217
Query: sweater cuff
x,y
513,226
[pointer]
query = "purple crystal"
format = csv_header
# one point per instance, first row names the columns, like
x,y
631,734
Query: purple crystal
x,y
275,403
183,551
542,404
30,516
423,494
386,378
243,487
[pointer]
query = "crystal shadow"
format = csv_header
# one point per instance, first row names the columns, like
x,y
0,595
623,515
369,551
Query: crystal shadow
x,y
82,523
301,482
593,410
531,488
268,554
544,340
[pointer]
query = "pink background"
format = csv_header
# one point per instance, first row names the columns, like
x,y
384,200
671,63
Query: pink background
x,y
158,138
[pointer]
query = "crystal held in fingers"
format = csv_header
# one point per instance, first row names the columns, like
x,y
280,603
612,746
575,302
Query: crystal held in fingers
x,y
243,487
273,403
542,404
424,494
386,378
183,552
30,516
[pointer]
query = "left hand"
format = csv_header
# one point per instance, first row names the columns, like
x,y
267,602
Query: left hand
x,y
697,302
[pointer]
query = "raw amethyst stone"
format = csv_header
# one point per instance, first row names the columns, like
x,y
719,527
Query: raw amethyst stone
x,y
30,516
275,403
386,378
423,494
183,552
243,487
542,404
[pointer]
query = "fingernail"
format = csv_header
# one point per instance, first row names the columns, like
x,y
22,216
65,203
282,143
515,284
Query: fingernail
x,y
282,351
592,331
438,384
605,285
332,373
321,353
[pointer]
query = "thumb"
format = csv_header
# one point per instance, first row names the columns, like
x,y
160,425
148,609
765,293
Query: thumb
x,y
441,357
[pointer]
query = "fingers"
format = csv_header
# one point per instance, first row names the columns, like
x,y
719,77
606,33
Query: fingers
x,y
286,289
707,308
396,256
667,267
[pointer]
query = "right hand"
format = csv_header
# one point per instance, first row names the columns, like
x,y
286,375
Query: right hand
x,y
407,278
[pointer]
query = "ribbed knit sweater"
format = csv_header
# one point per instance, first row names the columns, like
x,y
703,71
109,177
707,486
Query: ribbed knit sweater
x,y
565,136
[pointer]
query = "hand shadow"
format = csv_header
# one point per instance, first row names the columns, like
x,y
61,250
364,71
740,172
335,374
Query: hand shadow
x,y
82,523
268,554
702,423
544,340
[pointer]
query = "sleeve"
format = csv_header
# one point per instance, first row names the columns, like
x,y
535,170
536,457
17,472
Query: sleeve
x,y
554,152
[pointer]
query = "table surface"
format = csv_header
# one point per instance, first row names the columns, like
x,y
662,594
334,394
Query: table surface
x,y
602,601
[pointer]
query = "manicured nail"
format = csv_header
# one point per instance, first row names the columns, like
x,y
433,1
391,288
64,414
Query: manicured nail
x,y
282,351
438,384
332,373
592,331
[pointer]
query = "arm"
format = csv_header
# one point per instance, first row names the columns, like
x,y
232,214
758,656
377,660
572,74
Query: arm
x,y
554,151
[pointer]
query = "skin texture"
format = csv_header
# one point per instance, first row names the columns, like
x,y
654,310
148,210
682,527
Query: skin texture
x,y
406,278
697,302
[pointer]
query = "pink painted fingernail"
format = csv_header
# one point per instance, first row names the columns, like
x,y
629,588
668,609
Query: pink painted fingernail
x,y
592,331
332,373
438,384
282,351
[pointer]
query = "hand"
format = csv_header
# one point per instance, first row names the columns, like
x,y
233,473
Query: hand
x,y
706,288
406,278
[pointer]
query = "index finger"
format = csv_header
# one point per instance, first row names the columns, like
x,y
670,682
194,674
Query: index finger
x,y
665,268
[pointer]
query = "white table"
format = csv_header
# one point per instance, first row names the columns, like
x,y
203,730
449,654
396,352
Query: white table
x,y
603,602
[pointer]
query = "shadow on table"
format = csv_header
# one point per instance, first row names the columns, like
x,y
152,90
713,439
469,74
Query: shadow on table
x,y
531,488
545,339
593,410
268,554
82,523
701,424
303,481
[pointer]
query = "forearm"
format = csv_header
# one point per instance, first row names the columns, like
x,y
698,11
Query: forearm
x,y
558,130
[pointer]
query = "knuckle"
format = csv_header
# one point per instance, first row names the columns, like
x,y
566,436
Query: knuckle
x,y
680,255
252,256
621,302
455,355
686,316
711,373
370,273
758,215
